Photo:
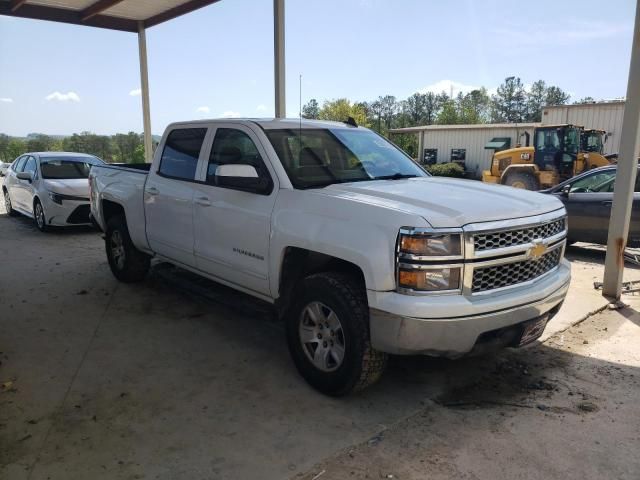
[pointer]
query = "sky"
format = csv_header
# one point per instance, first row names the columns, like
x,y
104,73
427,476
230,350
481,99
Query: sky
x,y
218,61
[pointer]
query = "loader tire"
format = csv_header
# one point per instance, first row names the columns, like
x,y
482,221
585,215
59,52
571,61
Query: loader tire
x,y
524,180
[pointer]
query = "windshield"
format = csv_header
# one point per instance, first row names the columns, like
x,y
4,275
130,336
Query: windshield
x,y
321,157
592,142
571,141
57,168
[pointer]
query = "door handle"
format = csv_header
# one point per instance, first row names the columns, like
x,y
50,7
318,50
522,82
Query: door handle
x,y
203,201
153,191
607,203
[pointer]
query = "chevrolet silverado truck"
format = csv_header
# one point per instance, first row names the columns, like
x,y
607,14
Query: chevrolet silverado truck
x,y
361,252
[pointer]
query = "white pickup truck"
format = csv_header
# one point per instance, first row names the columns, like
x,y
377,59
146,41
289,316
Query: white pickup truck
x,y
361,251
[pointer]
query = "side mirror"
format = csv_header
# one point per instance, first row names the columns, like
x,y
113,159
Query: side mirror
x,y
565,190
25,176
241,177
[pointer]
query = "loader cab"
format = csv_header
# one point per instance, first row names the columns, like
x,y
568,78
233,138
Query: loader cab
x,y
556,148
592,140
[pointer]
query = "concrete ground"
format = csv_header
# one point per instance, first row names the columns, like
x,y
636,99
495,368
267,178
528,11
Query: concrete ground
x,y
105,380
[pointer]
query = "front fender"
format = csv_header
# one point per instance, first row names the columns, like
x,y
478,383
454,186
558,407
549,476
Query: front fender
x,y
362,234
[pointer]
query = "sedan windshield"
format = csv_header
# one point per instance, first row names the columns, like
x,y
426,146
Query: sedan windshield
x,y
321,157
57,168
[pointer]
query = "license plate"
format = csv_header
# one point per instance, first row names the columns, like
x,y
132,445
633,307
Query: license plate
x,y
533,330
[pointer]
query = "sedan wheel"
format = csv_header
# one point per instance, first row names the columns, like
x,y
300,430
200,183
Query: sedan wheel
x,y
38,213
7,204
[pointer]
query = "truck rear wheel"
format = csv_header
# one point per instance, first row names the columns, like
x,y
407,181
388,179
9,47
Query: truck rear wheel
x,y
128,264
328,335
525,180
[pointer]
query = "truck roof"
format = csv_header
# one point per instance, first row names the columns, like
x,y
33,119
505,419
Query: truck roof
x,y
270,123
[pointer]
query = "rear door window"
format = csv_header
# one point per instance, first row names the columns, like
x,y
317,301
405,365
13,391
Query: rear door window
x,y
181,152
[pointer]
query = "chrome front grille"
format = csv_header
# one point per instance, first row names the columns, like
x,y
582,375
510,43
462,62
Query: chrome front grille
x,y
508,274
521,236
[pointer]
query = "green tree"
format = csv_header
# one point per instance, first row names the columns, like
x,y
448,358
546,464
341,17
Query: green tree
x,y
474,107
536,98
15,148
584,100
311,109
389,107
509,102
448,115
432,105
374,110
556,96
414,108
341,109
4,145
38,142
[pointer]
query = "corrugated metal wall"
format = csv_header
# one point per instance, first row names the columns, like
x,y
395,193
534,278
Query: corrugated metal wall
x,y
604,116
473,140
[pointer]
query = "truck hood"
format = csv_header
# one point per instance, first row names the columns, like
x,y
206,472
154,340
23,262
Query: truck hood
x,y
447,202
77,187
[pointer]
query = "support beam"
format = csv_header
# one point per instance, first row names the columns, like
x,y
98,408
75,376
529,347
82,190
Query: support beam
x,y
144,87
278,58
16,4
626,174
98,7
420,146
64,15
177,11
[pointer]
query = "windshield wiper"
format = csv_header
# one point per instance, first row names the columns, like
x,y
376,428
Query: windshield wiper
x,y
395,176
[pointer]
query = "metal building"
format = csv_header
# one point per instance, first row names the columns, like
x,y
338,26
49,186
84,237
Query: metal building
x,y
605,116
472,145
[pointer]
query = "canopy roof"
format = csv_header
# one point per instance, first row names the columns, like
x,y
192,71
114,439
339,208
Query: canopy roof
x,y
113,14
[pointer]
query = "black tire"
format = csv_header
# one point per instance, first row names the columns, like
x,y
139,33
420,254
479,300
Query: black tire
x,y
525,180
342,294
128,264
39,216
7,204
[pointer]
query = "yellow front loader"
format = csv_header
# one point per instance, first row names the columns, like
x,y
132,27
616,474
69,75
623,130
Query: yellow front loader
x,y
559,152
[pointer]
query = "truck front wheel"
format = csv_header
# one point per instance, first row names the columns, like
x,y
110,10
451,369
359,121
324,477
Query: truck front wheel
x,y
328,335
127,263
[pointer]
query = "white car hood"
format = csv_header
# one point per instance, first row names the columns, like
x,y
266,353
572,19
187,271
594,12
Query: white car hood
x,y
446,202
77,187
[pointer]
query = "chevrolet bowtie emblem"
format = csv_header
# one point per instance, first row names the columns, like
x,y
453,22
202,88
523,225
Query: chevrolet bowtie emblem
x,y
537,251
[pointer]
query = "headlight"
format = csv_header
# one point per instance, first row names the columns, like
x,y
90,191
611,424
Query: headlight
x,y
429,260
430,244
429,280
56,198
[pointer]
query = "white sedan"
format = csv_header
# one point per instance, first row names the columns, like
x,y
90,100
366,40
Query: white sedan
x,y
4,167
50,187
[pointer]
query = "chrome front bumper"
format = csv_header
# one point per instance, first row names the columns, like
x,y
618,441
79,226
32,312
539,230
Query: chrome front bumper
x,y
450,325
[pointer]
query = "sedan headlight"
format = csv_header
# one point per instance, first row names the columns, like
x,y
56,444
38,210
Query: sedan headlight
x,y
56,198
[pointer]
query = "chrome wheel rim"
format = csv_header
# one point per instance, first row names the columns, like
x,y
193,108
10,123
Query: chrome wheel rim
x,y
321,336
7,202
117,249
40,215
